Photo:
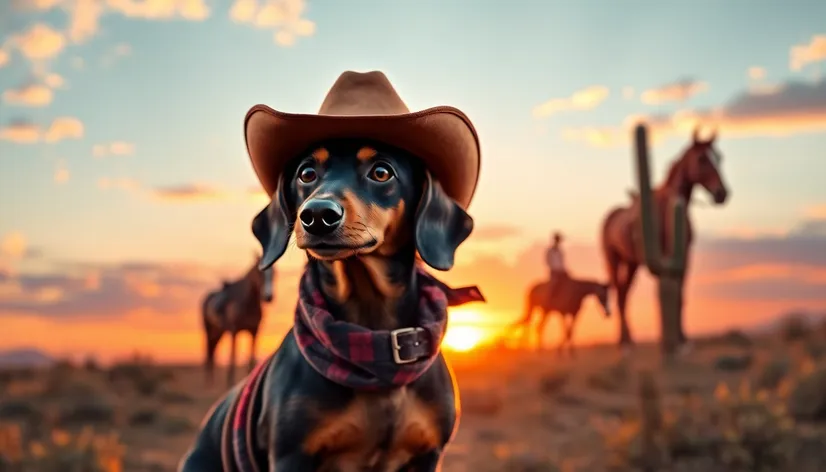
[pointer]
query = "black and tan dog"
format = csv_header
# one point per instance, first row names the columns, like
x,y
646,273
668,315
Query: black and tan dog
x,y
359,384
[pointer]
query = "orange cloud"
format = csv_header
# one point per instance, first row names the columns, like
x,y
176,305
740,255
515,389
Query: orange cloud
x,y
757,73
20,131
84,15
801,55
782,110
678,91
40,42
767,271
13,248
494,233
188,192
4,57
54,81
61,173
816,212
115,148
106,183
63,128
284,17
628,93
33,95
585,99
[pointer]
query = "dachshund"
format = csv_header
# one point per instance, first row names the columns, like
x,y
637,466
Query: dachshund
x,y
368,216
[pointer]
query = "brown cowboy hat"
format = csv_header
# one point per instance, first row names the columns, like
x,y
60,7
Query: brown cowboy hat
x,y
365,105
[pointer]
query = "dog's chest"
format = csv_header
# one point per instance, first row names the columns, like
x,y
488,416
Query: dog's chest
x,y
375,432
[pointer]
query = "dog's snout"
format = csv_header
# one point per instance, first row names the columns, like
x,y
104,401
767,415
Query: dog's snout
x,y
320,217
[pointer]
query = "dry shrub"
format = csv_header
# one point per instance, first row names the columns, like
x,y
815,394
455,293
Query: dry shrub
x,y
739,432
807,397
95,411
139,375
60,451
554,382
795,327
733,362
773,372
611,378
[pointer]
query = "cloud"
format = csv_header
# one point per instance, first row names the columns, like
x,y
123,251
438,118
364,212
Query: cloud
x,y
585,99
790,108
20,131
54,81
757,73
4,57
628,93
115,148
494,233
188,192
40,42
14,247
25,132
112,55
678,91
284,17
63,128
32,95
84,15
106,183
801,55
93,291
61,173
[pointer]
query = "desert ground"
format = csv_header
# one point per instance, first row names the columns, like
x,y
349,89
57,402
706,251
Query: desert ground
x,y
734,403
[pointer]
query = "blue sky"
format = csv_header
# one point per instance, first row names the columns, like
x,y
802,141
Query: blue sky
x,y
159,172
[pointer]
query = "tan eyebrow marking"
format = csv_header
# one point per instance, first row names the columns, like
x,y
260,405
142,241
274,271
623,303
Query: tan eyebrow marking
x,y
366,153
321,155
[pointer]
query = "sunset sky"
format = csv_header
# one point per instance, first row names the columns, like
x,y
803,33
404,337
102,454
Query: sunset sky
x,y
126,192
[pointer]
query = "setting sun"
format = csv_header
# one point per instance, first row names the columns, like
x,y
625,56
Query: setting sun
x,y
463,338
463,333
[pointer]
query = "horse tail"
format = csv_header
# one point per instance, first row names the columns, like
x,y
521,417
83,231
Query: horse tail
x,y
610,255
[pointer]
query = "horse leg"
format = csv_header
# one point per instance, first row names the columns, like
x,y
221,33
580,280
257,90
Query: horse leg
x,y
560,347
253,338
569,334
213,337
623,287
540,329
231,368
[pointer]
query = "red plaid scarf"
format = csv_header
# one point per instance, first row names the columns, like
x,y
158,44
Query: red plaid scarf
x,y
363,359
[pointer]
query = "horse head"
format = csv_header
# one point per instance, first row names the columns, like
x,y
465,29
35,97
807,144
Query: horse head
x,y
703,166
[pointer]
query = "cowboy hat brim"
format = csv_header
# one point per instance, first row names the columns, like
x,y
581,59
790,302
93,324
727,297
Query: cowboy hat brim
x,y
442,137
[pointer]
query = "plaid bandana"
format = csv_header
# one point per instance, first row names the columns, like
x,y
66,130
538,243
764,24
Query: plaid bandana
x,y
363,359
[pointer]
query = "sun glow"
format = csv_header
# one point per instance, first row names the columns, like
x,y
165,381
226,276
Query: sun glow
x,y
462,335
463,338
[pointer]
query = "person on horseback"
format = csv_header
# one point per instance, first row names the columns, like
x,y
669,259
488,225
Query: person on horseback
x,y
556,263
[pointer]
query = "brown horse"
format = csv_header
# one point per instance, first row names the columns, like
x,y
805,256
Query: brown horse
x,y
567,303
621,231
236,307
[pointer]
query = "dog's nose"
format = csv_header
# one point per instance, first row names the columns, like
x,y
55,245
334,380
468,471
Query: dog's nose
x,y
320,217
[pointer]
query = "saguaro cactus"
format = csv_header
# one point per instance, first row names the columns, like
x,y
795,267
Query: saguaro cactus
x,y
669,270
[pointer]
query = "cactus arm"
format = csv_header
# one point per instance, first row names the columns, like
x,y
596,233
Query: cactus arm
x,y
679,248
651,246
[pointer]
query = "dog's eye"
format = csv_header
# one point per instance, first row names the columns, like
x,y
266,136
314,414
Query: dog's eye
x,y
381,173
307,175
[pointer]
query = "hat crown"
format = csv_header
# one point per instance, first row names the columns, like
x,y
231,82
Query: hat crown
x,y
362,94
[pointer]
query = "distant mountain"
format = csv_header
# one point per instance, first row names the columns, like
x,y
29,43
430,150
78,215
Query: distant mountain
x,y
25,358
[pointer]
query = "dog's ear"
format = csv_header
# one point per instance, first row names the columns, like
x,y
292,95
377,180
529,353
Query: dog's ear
x,y
441,226
272,226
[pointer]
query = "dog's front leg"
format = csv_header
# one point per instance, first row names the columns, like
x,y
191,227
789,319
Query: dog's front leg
x,y
426,462
295,462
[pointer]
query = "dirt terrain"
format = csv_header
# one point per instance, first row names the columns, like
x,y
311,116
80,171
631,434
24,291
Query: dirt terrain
x,y
733,403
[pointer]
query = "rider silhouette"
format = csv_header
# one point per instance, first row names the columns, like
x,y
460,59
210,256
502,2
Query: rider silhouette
x,y
556,263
